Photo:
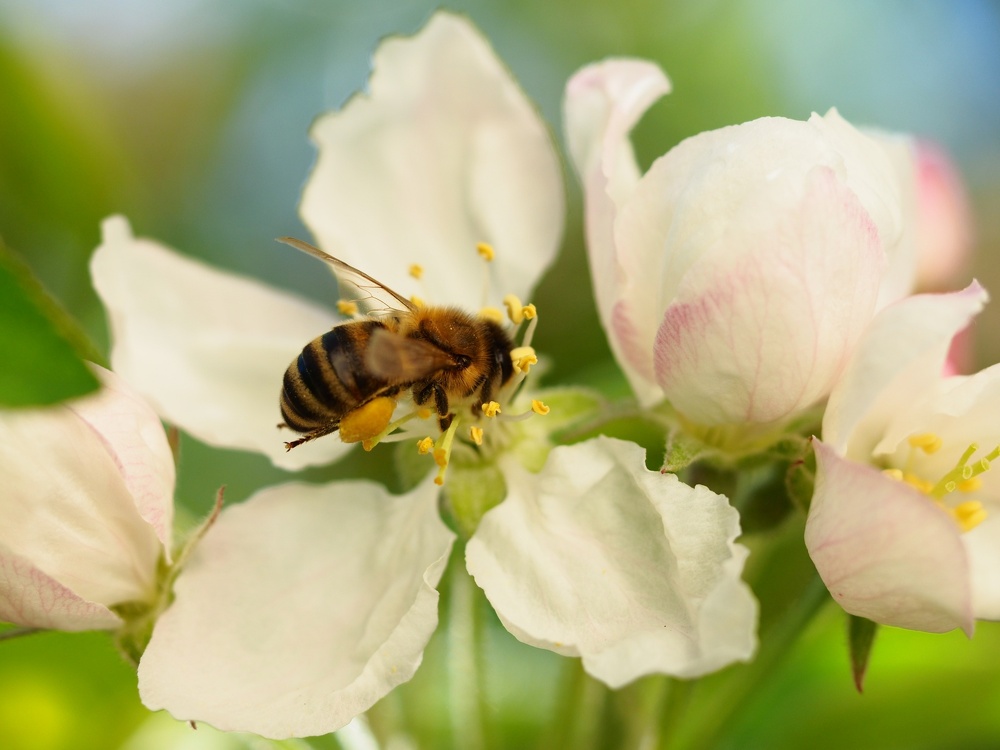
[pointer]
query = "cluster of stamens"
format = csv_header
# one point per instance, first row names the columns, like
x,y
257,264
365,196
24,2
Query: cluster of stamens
x,y
962,478
522,358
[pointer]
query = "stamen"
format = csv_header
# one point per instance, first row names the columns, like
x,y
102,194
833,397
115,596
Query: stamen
x,y
928,442
486,251
530,311
970,485
523,357
969,514
515,310
442,451
417,301
424,413
539,408
532,325
476,433
492,313
424,446
417,271
896,474
491,409
346,307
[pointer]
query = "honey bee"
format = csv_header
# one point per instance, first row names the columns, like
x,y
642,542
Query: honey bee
x,y
350,378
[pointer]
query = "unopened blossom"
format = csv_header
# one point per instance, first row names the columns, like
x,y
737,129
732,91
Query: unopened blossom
x,y
904,526
735,276
87,507
306,604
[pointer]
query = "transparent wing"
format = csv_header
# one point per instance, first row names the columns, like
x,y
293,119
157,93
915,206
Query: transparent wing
x,y
375,295
399,359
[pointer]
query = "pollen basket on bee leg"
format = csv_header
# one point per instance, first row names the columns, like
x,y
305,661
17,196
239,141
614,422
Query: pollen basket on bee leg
x,y
367,420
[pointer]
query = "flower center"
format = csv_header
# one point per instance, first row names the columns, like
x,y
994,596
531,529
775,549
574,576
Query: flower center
x,y
946,492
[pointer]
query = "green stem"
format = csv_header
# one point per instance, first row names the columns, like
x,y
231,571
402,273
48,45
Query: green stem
x,y
737,693
673,705
464,683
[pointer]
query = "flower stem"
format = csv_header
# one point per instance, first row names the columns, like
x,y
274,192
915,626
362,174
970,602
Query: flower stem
x,y
464,683
673,705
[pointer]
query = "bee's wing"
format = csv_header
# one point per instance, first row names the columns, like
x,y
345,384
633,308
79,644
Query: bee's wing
x,y
376,294
399,359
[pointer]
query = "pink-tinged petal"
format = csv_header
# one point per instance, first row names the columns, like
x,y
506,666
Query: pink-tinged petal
x,y
67,510
763,328
31,598
135,439
207,349
442,152
898,360
300,609
945,232
603,102
630,569
885,551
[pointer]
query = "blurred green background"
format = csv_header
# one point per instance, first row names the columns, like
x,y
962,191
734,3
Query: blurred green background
x,y
190,117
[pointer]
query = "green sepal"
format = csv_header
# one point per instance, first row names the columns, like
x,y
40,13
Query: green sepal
x,y
469,492
42,345
682,450
860,637
800,481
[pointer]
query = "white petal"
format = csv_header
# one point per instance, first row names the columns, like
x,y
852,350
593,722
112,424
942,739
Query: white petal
x,y
134,437
208,349
634,571
67,510
898,360
443,152
884,550
300,609
603,103
31,598
983,547
763,322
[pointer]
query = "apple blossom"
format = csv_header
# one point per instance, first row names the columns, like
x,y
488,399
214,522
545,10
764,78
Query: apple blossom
x,y
87,508
735,276
305,605
904,526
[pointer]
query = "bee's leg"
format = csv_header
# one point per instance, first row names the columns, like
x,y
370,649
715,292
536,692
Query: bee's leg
x,y
485,396
312,435
422,393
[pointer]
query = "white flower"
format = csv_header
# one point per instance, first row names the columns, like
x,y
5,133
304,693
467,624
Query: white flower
x,y
87,507
904,525
735,276
305,605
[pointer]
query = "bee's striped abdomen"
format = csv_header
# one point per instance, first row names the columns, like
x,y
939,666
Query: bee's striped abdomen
x,y
328,379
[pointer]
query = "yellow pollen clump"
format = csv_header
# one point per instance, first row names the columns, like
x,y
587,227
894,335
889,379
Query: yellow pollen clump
x,y
346,307
424,413
417,301
539,408
424,446
515,310
476,433
367,421
441,457
492,313
491,409
416,271
486,251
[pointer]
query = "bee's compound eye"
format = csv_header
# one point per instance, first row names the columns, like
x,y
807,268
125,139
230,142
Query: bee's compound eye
x,y
367,420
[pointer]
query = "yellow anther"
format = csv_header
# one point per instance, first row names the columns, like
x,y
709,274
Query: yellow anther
x,y
529,311
424,446
969,514
416,271
523,358
492,313
424,413
441,457
417,301
539,408
491,409
515,310
928,442
346,307
486,250
893,474
919,484
476,433
970,485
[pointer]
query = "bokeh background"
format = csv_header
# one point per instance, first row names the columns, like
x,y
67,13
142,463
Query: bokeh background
x,y
191,118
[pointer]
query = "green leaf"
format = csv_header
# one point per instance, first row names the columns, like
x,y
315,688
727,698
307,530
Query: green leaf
x,y
860,636
42,345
